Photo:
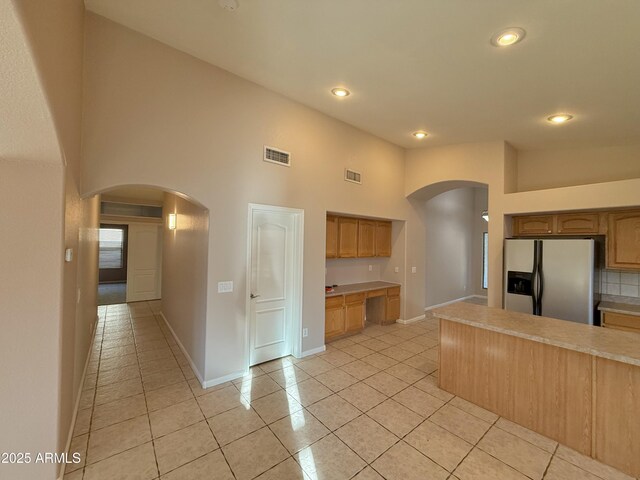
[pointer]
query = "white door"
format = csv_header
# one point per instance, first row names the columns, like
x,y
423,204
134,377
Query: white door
x,y
144,262
274,261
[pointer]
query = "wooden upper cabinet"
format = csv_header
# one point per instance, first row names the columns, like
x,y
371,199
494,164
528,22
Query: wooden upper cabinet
x,y
623,240
347,237
366,238
383,239
533,225
332,236
578,223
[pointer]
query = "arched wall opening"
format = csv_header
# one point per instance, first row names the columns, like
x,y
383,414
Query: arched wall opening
x,y
181,235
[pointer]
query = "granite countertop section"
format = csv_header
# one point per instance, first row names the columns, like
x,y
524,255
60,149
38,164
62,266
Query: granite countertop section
x,y
359,287
624,308
601,342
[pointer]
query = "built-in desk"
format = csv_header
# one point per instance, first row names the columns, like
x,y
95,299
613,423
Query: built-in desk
x,y
577,384
347,307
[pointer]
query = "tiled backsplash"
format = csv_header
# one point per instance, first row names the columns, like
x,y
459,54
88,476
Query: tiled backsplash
x,y
624,284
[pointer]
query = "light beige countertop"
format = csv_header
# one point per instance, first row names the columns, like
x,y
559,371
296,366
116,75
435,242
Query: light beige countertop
x,y
359,287
624,308
601,342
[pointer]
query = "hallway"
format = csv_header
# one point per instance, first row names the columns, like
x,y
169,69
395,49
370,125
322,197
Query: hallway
x,y
367,408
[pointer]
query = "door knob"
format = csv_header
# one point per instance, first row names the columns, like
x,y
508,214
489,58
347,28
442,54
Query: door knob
x,y
254,296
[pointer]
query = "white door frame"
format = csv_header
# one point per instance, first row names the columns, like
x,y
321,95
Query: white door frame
x,y
296,310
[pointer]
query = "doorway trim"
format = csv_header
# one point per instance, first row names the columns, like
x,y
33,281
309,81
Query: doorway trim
x,y
297,270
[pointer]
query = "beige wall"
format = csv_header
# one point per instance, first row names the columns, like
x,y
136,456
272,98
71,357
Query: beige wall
x,y
544,169
184,275
199,130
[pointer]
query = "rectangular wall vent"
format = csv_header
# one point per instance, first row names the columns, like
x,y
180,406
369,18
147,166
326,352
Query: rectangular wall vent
x,y
279,157
352,176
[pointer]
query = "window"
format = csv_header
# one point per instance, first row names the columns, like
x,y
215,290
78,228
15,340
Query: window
x,y
111,248
485,260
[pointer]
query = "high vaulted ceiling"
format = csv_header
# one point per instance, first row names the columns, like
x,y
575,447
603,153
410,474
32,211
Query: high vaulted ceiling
x,y
424,64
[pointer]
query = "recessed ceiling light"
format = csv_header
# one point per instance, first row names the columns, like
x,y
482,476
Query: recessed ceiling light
x,y
559,118
419,134
340,92
508,36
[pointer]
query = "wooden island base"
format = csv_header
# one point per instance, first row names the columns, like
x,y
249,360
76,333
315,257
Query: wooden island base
x,y
579,398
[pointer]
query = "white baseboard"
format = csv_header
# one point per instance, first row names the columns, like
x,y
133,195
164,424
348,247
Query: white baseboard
x,y
223,379
77,405
480,296
185,353
313,351
411,320
448,303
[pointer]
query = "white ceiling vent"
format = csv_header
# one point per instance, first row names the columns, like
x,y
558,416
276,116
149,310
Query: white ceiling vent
x,y
274,155
352,176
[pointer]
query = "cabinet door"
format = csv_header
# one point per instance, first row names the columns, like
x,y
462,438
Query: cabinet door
x,y
383,239
333,321
620,321
393,308
533,225
623,240
366,238
332,236
347,237
577,223
354,317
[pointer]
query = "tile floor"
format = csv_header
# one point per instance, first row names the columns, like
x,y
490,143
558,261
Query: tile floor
x,y
367,408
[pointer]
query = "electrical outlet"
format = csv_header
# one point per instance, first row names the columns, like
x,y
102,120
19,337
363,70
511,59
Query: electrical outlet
x,y
305,332
414,269
397,269
225,287
371,268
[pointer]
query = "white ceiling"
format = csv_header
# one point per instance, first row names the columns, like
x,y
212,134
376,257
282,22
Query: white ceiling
x,y
424,64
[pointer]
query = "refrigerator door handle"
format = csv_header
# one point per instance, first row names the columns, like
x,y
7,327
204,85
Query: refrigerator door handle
x,y
534,282
540,279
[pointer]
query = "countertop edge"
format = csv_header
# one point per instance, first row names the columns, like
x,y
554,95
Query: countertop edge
x,y
360,290
620,308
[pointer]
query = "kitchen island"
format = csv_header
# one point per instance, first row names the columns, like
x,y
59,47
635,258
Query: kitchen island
x,y
577,384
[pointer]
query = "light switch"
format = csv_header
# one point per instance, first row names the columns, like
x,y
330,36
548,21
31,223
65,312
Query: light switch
x,y
371,268
305,332
397,269
225,287
414,269
68,255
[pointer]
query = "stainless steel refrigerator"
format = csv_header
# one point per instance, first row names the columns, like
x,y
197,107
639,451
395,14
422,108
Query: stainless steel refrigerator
x,y
550,277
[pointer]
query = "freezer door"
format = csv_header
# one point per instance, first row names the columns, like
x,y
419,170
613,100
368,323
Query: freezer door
x,y
518,257
567,274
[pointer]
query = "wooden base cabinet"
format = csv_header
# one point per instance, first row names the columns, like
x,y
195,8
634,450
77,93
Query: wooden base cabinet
x,y
620,321
334,317
354,312
393,305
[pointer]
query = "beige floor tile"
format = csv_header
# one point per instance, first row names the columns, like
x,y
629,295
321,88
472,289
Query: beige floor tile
x,y
368,474
169,395
308,392
315,366
175,417
334,411
234,424
254,454
342,343
366,437
329,458
164,378
220,401
337,358
362,396
254,373
403,462
425,340
78,446
151,345
117,342
430,385
90,381
159,365
412,347
405,373
287,470
181,447
76,475
117,351
155,354
83,422
423,363
336,379
474,409
379,361
590,465
275,406
139,463
277,364
357,350
375,344
391,339
118,411
298,430
395,417
481,466
117,362
116,391
397,353
515,452
360,369
86,399
117,438
530,436
211,466
420,402
385,383
118,375
258,387
441,446
285,377
560,469
460,423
